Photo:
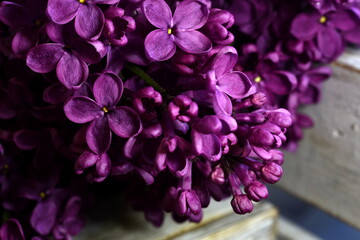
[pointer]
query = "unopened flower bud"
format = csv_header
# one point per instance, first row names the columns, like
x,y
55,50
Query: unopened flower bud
x,y
241,204
256,191
271,172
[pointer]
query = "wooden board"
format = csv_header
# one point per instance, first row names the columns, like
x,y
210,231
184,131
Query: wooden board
x,y
326,169
288,230
219,223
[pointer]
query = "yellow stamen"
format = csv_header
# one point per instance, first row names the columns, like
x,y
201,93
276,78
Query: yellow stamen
x,y
42,195
37,22
257,79
105,109
323,19
169,31
82,1
6,166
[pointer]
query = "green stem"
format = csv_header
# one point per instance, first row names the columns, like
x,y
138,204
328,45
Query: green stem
x,y
144,76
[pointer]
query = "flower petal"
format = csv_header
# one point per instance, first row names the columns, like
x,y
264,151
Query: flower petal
x,y
89,21
193,42
159,45
89,51
305,26
124,122
44,58
11,230
103,166
87,159
108,89
330,43
44,215
222,103
23,41
72,71
158,13
62,11
190,15
14,14
207,145
280,82
81,109
225,60
235,84
98,135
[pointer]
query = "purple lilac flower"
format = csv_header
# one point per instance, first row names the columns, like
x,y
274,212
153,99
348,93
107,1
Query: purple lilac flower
x,y
179,29
89,18
103,114
68,56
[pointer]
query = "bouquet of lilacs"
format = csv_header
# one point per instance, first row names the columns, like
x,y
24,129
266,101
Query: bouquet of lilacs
x,y
174,102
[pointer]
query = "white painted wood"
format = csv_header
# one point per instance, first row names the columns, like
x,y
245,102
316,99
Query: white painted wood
x,y
219,223
326,169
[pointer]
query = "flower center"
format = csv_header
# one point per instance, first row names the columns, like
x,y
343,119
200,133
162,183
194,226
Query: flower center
x,y
37,22
257,79
82,1
169,31
323,19
5,169
42,195
105,109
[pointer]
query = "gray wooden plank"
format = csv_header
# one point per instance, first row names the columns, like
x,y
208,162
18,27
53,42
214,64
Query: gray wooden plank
x,y
219,223
326,169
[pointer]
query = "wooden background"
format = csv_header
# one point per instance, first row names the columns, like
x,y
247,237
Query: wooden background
x,y
326,169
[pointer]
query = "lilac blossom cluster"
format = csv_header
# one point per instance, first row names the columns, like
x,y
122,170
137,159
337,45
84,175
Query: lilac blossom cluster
x,y
176,101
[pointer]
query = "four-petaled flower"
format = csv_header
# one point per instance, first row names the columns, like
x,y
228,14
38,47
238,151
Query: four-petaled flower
x,y
103,114
177,30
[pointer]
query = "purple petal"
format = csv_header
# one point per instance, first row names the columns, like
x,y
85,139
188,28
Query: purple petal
x,y
7,108
44,58
23,41
193,42
235,84
353,36
190,15
124,122
305,26
11,230
72,71
103,166
106,1
87,159
82,109
159,45
157,13
56,93
44,215
330,42
89,51
63,11
98,135
344,19
26,139
89,21
224,61
14,14
108,89
281,82
222,103
207,145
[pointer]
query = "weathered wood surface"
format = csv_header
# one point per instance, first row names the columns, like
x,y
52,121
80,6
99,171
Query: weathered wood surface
x,y
219,223
326,169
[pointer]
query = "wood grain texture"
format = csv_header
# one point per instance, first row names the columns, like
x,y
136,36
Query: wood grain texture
x,y
326,169
219,223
